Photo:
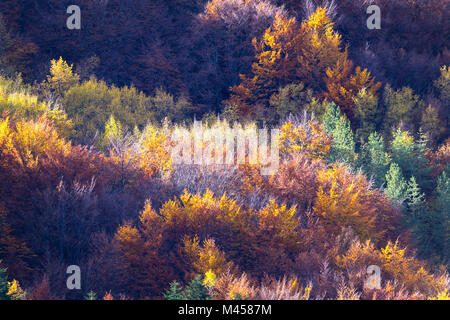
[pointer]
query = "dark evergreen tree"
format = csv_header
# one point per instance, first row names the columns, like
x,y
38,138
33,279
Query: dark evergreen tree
x,y
3,284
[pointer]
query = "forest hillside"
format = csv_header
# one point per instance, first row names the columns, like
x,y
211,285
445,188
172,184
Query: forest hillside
x,y
224,149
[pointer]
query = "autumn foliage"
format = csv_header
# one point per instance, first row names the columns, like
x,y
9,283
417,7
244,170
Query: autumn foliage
x,y
89,176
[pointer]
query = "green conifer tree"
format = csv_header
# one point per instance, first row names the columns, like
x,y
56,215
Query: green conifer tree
x,y
175,292
431,228
195,290
331,117
443,191
395,183
374,160
3,284
410,155
414,201
338,126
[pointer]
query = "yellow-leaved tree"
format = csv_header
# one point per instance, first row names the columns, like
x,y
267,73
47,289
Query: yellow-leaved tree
x,y
61,77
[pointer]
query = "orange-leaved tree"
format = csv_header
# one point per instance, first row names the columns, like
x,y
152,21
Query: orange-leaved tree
x,y
345,199
343,84
398,268
289,52
145,272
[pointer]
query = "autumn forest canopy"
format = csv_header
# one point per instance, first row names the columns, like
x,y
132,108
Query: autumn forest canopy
x,y
88,178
